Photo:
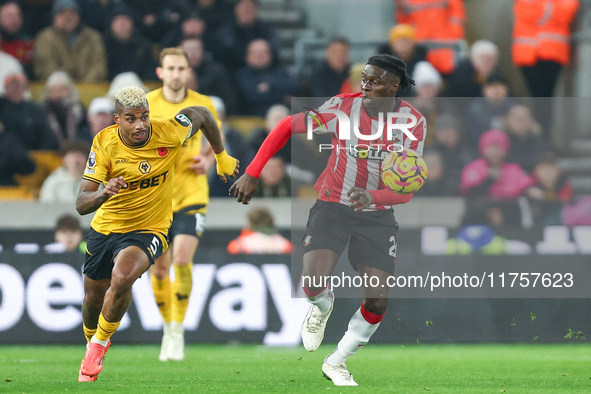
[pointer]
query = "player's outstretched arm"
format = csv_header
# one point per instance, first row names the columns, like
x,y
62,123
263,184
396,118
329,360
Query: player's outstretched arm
x,y
203,120
244,188
90,198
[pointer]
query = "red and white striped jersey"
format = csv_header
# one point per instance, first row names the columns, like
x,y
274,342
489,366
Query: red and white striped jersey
x,y
356,162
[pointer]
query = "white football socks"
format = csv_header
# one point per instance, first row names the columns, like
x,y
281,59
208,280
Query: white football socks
x,y
357,335
102,343
321,301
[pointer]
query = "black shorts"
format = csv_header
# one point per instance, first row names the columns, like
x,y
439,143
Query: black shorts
x,y
101,250
371,235
190,221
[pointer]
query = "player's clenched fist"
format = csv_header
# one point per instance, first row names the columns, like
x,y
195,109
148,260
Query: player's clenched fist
x,y
244,188
113,186
359,198
226,165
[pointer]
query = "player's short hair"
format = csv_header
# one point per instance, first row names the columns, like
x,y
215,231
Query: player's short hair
x,y
260,217
131,96
67,222
393,65
174,51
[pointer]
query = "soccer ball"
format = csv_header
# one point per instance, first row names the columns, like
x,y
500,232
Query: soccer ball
x,y
404,172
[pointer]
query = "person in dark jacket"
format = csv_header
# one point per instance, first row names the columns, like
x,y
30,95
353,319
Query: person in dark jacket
x,y
127,49
471,74
25,119
235,35
192,25
328,77
454,150
213,78
64,111
488,112
439,183
155,18
214,12
261,83
13,158
525,135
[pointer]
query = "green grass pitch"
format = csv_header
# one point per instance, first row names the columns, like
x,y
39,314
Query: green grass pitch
x,y
416,368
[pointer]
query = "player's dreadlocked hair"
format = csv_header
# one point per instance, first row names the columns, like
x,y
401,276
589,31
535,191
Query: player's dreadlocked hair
x,y
131,96
392,65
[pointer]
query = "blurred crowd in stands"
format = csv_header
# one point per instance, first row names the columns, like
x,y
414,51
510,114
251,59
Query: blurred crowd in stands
x,y
483,144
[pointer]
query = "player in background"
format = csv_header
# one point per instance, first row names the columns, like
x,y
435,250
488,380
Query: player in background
x,y
189,201
353,206
134,159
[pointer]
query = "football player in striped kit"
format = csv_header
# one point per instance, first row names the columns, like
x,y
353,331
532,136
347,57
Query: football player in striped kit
x,y
353,206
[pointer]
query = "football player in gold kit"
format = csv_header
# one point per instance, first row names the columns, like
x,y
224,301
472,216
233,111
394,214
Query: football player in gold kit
x,y
134,160
189,202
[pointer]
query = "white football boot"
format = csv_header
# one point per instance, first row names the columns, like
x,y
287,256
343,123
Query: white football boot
x,y
176,346
339,374
315,324
165,342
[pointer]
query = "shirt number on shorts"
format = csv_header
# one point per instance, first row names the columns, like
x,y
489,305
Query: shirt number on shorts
x,y
199,223
392,250
154,245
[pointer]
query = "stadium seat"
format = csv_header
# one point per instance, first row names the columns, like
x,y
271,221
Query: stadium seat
x,y
15,193
45,163
87,91
307,191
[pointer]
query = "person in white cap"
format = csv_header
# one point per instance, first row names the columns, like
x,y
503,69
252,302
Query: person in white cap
x,y
100,115
8,65
428,82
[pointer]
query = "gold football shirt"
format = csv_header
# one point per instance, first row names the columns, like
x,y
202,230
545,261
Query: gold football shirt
x,y
189,189
146,203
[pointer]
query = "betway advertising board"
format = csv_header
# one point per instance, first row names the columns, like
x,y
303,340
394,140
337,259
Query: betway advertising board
x,y
248,299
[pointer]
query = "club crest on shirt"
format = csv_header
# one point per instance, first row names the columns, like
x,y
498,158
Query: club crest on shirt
x,y
145,167
91,159
307,240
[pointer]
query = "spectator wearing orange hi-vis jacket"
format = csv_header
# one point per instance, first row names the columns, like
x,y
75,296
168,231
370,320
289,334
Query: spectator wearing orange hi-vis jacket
x,y
260,236
437,22
541,41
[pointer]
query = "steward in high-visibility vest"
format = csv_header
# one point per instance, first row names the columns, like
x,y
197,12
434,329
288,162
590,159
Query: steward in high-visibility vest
x,y
435,21
541,31
541,41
